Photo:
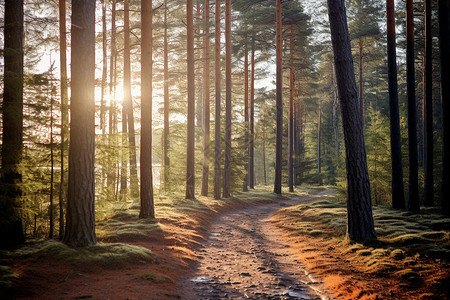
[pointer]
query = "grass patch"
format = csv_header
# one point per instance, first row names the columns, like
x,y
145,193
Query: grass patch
x,y
412,247
154,276
106,255
7,277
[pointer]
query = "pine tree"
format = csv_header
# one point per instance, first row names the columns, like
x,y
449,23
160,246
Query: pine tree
x,y
360,226
444,46
147,209
279,102
190,171
227,163
80,223
217,102
11,231
413,192
398,197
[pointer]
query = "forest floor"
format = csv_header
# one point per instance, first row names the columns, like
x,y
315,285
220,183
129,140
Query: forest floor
x,y
256,245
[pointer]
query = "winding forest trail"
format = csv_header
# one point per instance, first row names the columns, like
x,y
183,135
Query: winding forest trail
x,y
245,257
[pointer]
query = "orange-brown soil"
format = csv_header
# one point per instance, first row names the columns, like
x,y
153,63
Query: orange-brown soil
x,y
175,249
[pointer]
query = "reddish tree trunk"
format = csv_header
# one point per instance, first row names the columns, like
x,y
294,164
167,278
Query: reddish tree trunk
x,y
166,104
190,171
206,106
111,180
217,102
246,126
64,109
227,164
80,223
128,101
291,115
279,102
413,193
251,164
147,209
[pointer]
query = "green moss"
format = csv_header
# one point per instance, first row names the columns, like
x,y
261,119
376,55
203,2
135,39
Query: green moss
x,y
155,277
7,277
106,255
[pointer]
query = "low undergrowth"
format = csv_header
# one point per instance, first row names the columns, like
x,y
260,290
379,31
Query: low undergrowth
x,y
413,248
124,239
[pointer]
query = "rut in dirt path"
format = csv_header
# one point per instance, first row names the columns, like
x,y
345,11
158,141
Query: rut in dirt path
x,y
244,258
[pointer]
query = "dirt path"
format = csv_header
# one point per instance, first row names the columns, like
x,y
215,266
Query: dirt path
x,y
244,257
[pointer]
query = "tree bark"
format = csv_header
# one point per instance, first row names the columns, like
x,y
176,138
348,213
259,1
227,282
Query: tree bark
x,y
190,171
80,223
291,115
52,170
264,152
206,106
147,209
335,115
319,144
428,110
111,180
104,70
128,101
166,143
217,79
361,80
11,231
64,110
413,192
227,164
398,196
444,46
246,119
279,101
251,163
360,226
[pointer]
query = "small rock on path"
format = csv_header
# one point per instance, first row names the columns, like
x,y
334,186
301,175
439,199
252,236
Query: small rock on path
x,y
245,258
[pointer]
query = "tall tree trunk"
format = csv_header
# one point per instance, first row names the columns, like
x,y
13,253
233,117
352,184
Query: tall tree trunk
x,y
111,180
279,101
398,196
198,67
428,109
217,79
52,169
264,152
251,163
124,158
128,101
360,226
166,143
147,209
319,144
444,46
361,80
80,224
125,144
413,192
11,231
246,119
206,106
335,115
104,70
227,164
190,171
64,109
291,115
